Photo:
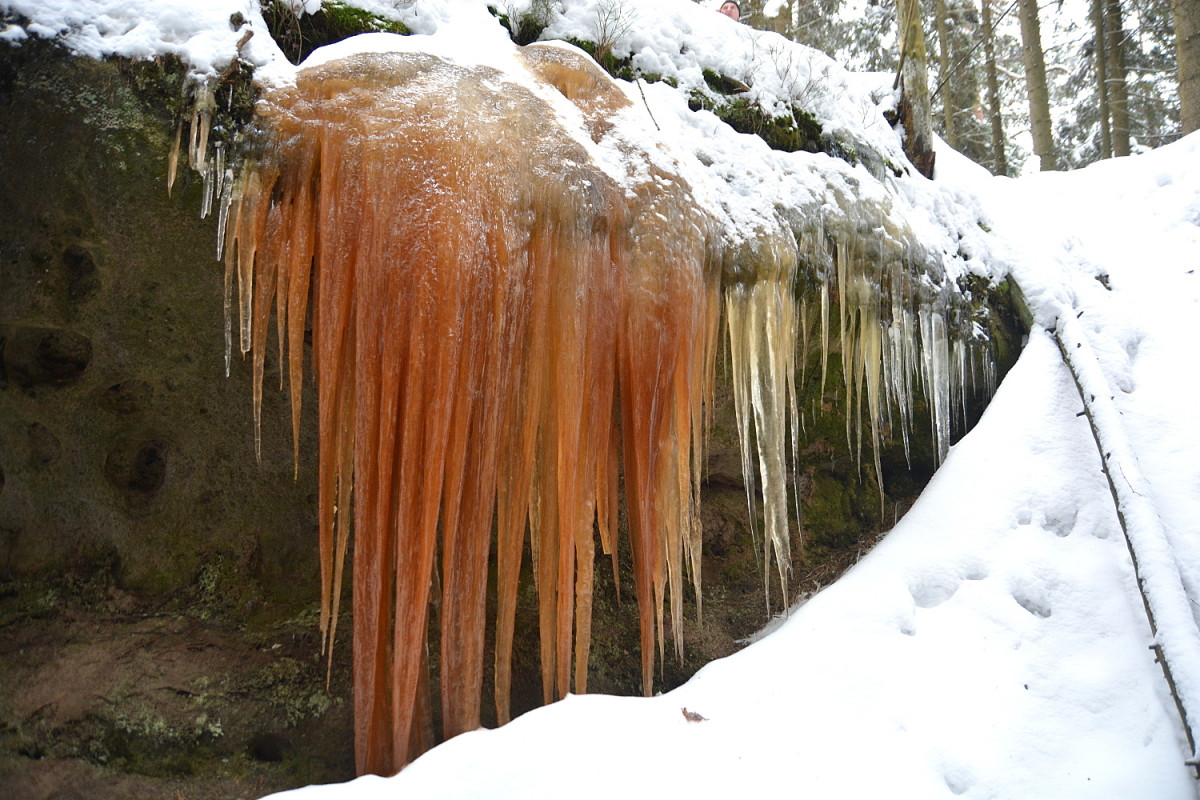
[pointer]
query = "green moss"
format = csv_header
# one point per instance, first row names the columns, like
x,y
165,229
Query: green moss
x,y
501,16
722,84
335,21
528,27
842,509
143,742
160,88
698,99
620,68
789,133
827,512
1004,317
797,130
843,150
294,688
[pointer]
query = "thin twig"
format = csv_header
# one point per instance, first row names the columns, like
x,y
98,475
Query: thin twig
x,y
648,111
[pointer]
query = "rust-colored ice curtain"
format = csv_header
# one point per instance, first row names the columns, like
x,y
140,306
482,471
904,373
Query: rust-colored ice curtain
x,y
494,319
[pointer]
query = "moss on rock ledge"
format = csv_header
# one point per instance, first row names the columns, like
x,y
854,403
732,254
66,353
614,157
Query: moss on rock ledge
x,y
299,35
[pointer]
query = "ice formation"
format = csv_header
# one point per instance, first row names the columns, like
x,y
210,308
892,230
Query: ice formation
x,y
849,280
496,320
515,311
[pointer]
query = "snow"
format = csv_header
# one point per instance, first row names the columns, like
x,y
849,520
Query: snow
x,y
994,643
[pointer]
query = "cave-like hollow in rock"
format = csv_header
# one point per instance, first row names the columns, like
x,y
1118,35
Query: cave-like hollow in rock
x,y
515,313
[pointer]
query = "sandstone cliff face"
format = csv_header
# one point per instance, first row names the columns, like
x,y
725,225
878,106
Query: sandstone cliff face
x,y
149,567
123,445
158,587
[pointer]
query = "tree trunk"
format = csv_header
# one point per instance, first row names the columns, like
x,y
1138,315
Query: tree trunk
x,y
1098,53
1186,16
915,110
939,12
999,159
1118,91
1035,84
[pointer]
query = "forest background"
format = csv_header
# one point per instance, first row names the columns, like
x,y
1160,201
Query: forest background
x,y
1107,84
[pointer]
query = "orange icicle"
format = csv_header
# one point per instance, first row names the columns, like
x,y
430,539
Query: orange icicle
x,y
527,315
497,323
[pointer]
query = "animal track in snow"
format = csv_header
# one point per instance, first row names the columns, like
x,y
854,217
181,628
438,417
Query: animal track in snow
x,y
933,589
957,778
976,572
1032,596
1062,521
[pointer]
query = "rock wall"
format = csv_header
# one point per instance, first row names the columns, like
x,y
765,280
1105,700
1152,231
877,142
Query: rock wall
x,y
122,444
158,588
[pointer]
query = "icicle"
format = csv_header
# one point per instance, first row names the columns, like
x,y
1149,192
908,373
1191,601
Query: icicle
x,y
799,334
958,381
472,332
936,360
173,157
871,358
213,175
901,348
762,325
223,211
226,245
207,194
497,332
204,104
739,328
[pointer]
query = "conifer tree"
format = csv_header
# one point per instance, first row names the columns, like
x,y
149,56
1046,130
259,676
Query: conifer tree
x,y
943,35
999,157
914,80
1186,15
1118,90
1035,83
1101,62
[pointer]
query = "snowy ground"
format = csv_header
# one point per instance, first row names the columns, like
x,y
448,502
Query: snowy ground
x,y
995,643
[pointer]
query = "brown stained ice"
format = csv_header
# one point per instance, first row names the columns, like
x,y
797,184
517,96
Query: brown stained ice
x,y
491,312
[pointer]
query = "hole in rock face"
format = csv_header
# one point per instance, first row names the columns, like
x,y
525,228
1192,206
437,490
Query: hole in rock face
x,y
81,273
63,356
44,446
35,356
149,468
267,747
129,397
137,469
